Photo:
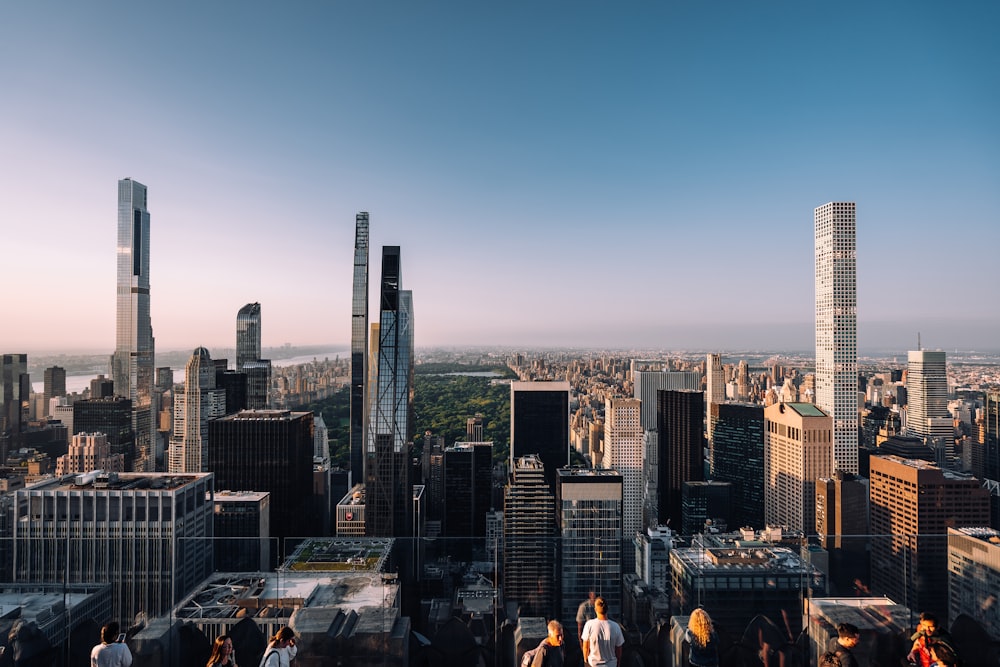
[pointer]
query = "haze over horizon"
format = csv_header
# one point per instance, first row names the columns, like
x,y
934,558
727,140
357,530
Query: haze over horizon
x,y
570,174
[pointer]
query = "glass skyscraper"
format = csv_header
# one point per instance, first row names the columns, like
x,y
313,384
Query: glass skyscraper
x,y
132,361
359,348
837,328
247,335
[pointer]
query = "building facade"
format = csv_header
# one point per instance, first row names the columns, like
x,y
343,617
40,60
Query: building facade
x,y
539,424
199,403
974,576
247,335
530,575
927,415
681,442
798,438
623,452
736,455
359,347
837,327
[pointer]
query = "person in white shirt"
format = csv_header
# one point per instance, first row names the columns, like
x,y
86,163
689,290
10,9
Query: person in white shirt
x,y
280,650
602,638
112,651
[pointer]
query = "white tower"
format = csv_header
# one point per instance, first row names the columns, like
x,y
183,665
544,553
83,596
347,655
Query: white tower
x,y
623,452
837,328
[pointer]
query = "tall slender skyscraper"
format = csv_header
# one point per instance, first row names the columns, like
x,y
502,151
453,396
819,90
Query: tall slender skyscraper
x,y
247,335
359,348
679,418
715,389
133,359
194,407
623,452
387,480
837,328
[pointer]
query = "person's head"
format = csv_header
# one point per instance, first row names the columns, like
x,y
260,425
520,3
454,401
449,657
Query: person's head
x,y
222,648
592,595
283,637
109,633
555,633
700,625
928,623
943,654
601,607
849,635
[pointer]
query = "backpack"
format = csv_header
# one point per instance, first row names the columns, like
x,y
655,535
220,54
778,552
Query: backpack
x,y
529,655
830,659
267,654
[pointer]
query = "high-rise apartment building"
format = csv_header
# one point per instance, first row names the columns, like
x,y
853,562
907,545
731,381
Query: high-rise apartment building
x,y
837,328
529,533
194,407
268,450
589,512
247,335
736,455
927,415
681,442
388,493
797,442
359,348
89,451
258,375
623,452
715,389
147,534
539,424
55,385
912,504
133,359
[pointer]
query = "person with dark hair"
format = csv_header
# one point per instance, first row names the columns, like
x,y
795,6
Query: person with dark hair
x,y
841,646
280,650
112,651
602,638
944,655
223,654
929,632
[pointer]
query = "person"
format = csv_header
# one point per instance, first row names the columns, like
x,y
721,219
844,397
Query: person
x,y
703,643
929,632
551,652
584,613
223,654
280,650
944,655
847,638
602,638
110,652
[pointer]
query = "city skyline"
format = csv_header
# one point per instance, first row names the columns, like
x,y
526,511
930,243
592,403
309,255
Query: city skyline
x,y
683,143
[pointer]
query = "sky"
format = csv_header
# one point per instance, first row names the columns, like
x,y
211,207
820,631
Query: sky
x,y
638,174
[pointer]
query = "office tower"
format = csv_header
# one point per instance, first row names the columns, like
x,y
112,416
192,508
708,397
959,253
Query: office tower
x,y
706,506
715,389
234,383
242,523
742,381
649,377
321,437
927,413
974,576
198,403
55,385
539,424
133,359
529,530
912,504
258,383
350,517
842,526
837,328
736,455
359,347
268,450
247,335
388,493
15,388
468,486
680,440
797,443
87,452
111,416
623,452
474,428
589,511
103,387
986,451
149,535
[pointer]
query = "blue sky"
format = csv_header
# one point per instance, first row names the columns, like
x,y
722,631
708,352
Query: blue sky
x,y
578,173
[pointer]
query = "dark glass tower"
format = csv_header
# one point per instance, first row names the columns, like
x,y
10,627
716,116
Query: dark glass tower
x,y
539,424
681,441
389,496
55,384
468,485
359,348
111,416
14,391
247,335
737,456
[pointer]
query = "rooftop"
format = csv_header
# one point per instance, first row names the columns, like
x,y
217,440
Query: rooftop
x,y
126,481
340,554
807,409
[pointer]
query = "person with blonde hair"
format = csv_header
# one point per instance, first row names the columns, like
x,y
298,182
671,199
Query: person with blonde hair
x,y
702,641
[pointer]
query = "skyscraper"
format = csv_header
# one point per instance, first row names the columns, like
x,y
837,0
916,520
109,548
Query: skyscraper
x,y
359,348
539,424
715,388
133,359
837,328
529,533
927,413
55,385
797,443
736,455
14,390
680,440
194,407
388,488
623,452
247,335
649,377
